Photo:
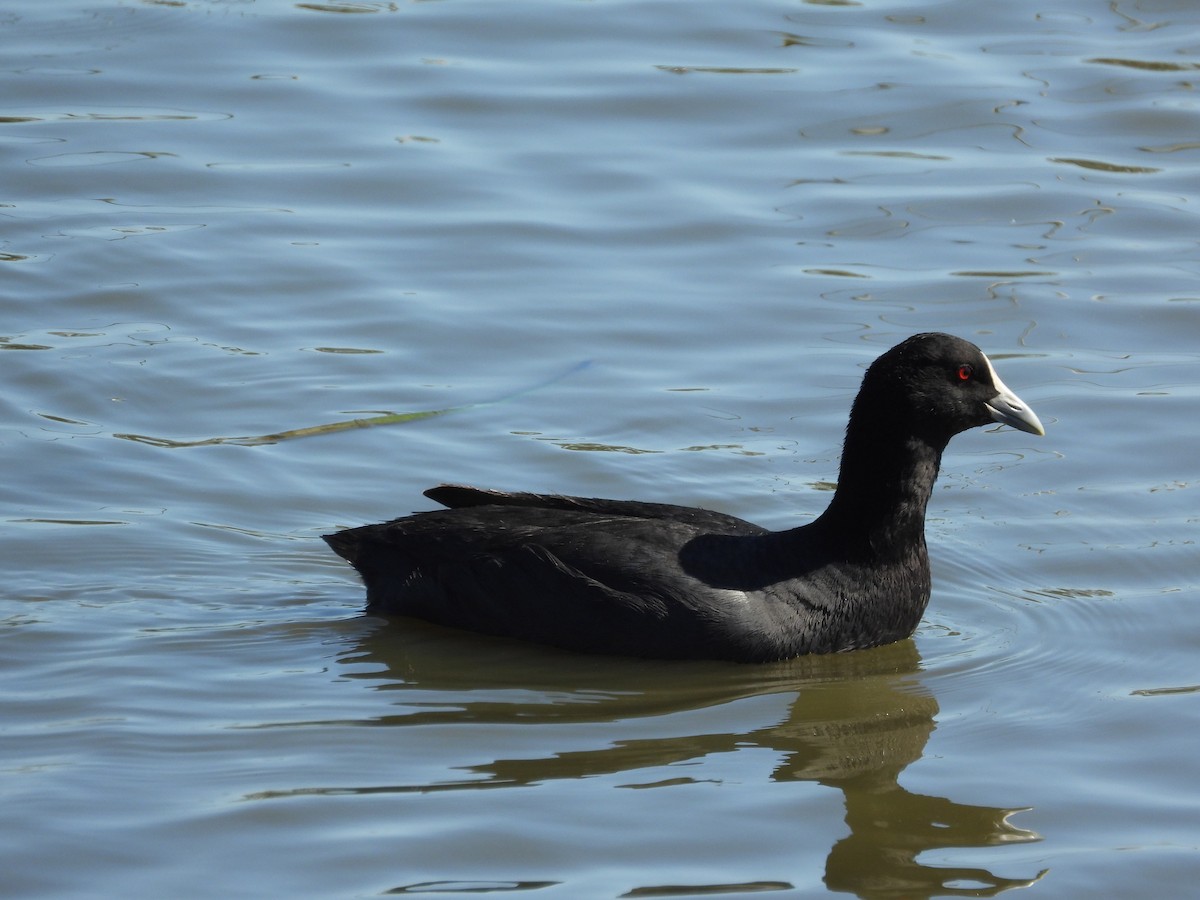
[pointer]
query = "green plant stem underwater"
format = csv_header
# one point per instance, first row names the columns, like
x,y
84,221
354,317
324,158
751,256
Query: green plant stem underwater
x,y
349,424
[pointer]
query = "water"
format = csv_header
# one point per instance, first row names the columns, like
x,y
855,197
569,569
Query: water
x,y
664,238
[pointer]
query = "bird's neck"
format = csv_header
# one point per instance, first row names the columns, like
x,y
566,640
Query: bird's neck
x,y
883,488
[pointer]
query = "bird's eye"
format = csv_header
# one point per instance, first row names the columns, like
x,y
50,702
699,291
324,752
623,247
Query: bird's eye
x,y
965,372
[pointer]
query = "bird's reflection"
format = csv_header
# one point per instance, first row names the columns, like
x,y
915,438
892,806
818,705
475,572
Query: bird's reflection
x,y
853,722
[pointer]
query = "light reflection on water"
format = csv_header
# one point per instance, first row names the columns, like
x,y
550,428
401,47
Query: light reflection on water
x,y
227,225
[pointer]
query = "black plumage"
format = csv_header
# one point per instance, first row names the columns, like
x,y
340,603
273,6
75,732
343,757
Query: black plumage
x,y
656,580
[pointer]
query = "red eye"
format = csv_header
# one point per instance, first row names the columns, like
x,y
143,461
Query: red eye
x,y
965,372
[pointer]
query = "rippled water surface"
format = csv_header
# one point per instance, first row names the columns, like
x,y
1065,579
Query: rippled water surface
x,y
629,249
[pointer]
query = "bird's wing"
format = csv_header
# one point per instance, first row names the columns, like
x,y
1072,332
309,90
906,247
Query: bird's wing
x,y
546,588
458,496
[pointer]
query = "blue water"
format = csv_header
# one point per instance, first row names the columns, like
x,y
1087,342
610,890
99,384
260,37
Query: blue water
x,y
629,250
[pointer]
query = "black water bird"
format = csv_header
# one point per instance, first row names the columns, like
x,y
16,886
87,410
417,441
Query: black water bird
x,y
655,580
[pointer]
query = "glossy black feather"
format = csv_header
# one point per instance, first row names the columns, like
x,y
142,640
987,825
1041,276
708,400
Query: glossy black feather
x,y
656,580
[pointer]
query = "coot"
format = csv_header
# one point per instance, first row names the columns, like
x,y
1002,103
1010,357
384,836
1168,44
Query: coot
x,y
655,580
